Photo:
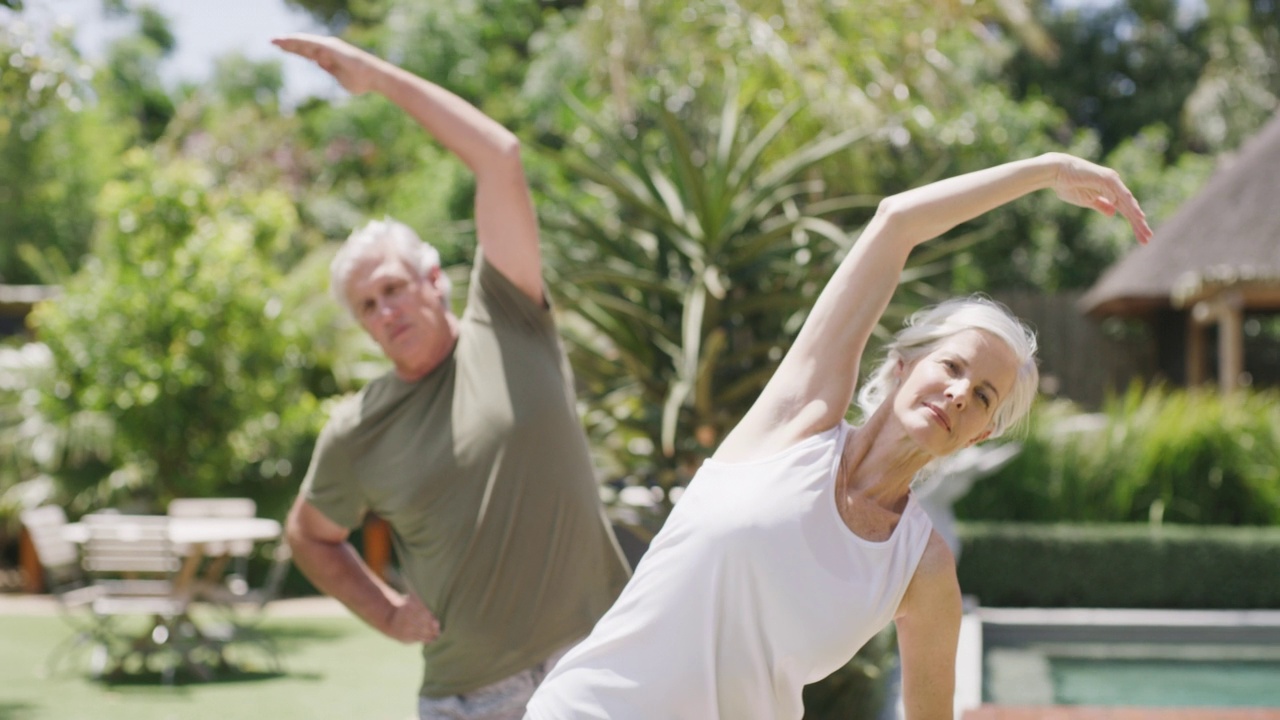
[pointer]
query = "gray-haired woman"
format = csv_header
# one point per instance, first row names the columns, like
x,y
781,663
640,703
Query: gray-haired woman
x,y
800,538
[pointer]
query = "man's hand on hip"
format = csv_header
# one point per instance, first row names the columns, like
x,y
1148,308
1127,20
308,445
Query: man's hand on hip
x,y
412,622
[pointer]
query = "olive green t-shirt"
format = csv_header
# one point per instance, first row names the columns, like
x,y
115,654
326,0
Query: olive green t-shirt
x,y
482,470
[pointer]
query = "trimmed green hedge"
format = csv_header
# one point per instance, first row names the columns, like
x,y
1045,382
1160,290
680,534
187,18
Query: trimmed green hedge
x,y
1120,565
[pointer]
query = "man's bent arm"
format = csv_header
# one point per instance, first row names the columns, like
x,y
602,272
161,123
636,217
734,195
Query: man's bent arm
x,y
321,551
506,223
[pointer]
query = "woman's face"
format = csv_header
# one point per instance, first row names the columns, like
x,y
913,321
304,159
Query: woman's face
x,y
947,397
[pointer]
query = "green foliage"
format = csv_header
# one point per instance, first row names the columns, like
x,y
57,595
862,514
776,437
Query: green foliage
x,y
687,260
54,156
1120,68
859,690
241,81
175,334
1157,455
339,14
479,49
1240,87
1120,566
130,83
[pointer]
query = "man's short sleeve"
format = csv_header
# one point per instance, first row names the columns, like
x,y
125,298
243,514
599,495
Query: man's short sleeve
x,y
493,298
331,482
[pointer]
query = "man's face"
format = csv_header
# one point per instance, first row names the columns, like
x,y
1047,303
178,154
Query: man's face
x,y
404,313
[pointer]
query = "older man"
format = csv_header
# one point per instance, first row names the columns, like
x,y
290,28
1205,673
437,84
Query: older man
x,y
470,447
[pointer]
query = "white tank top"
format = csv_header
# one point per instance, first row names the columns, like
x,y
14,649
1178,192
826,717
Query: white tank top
x,y
753,588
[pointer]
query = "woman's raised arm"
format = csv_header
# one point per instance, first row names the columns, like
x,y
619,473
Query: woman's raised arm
x,y
815,382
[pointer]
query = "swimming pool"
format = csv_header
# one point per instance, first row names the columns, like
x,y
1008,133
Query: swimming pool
x,y
1131,658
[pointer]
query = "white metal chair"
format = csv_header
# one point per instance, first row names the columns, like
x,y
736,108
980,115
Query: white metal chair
x,y
133,563
60,564
241,602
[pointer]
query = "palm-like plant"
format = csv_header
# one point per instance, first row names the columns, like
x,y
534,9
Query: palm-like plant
x,y
688,260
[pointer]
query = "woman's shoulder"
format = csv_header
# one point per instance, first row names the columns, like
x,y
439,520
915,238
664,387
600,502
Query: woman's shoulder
x,y
746,446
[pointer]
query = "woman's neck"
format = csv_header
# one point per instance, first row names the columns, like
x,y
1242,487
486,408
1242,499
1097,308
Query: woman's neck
x,y
880,460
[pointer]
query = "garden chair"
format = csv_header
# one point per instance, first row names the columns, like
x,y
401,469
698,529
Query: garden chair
x,y
242,604
133,563
245,605
60,564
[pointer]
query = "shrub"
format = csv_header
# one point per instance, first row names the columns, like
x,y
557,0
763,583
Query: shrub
x,y
1155,455
1120,565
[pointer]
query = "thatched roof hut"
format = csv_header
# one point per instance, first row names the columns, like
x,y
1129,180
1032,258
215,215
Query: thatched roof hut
x,y
1215,260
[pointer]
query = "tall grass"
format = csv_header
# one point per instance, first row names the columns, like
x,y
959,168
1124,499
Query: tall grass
x,y
1153,455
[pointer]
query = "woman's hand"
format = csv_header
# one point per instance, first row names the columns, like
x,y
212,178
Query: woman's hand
x,y
1083,183
354,68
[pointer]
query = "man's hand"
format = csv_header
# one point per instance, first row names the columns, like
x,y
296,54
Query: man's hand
x,y
412,622
354,68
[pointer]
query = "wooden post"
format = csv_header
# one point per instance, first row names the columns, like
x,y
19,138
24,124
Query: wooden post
x,y
1195,349
1226,310
1230,342
29,564
376,535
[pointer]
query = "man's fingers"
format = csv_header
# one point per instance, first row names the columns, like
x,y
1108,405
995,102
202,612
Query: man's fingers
x,y
300,46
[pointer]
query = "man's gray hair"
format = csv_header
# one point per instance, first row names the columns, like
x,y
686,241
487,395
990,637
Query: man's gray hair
x,y
371,241
927,328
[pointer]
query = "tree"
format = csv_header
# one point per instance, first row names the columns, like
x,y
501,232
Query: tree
x,y
1121,68
1239,89
55,150
176,335
687,256
130,83
924,82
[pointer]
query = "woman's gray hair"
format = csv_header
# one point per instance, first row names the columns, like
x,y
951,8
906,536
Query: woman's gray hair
x,y
927,328
370,241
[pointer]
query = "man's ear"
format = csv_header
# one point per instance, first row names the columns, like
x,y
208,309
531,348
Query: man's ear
x,y
435,278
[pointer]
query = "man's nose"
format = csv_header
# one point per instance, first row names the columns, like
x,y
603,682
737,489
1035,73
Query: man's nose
x,y
383,313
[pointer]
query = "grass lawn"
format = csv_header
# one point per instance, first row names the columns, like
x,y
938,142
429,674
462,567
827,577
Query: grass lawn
x,y
334,667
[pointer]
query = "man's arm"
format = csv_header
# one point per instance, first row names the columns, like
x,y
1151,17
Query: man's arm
x,y
928,624
506,223
321,551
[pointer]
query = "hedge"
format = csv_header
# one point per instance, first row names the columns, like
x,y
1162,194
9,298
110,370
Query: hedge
x,y
1120,565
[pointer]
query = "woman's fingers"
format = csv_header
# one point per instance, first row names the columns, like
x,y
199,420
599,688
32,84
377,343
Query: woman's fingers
x,y
1093,186
1104,205
1128,208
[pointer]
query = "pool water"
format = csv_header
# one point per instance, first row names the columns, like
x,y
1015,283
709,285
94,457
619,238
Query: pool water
x,y
1147,675
1155,682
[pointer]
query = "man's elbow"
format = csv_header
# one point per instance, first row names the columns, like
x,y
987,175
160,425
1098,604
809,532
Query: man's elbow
x,y
505,160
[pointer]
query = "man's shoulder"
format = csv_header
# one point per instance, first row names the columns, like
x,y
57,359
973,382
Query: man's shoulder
x,y
350,411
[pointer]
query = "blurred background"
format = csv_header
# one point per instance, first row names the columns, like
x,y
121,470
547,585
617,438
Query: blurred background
x,y
171,188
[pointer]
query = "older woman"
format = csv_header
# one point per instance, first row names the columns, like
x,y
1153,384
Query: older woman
x,y
800,538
